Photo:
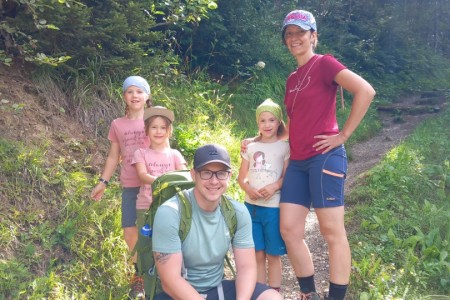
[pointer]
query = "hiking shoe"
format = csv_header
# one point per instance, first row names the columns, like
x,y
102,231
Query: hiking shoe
x,y
137,288
309,296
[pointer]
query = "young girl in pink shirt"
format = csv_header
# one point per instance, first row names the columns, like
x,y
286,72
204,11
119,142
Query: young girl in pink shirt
x,y
158,158
126,134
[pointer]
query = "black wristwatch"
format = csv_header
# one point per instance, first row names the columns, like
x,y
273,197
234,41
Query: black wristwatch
x,y
106,182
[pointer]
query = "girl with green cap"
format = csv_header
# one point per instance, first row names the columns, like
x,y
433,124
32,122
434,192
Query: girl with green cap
x,y
261,175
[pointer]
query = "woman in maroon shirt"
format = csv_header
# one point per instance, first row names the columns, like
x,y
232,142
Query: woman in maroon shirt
x,y
318,163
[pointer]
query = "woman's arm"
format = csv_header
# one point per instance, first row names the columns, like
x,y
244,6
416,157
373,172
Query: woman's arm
x,y
363,94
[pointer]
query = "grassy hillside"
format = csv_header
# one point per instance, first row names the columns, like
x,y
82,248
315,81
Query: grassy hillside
x,y
57,244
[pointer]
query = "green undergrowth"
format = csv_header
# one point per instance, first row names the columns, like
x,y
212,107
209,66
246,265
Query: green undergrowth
x,y
58,244
400,229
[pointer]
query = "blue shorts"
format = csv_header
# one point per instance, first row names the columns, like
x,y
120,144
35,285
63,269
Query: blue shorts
x,y
266,229
129,197
317,181
229,292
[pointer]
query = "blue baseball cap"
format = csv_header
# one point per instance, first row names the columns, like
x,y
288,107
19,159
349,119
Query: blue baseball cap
x,y
301,18
211,153
136,81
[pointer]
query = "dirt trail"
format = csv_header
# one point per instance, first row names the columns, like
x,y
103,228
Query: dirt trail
x,y
364,156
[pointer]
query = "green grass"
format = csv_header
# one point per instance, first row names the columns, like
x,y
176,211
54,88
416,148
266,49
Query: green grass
x,y
400,229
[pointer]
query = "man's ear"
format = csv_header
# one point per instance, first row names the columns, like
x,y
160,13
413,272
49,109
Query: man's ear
x,y
192,171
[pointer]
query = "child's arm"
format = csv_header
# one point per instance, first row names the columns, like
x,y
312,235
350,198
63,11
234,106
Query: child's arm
x,y
180,163
141,170
269,190
110,166
243,182
182,167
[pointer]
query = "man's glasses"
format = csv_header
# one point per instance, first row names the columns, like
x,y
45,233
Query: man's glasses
x,y
207,174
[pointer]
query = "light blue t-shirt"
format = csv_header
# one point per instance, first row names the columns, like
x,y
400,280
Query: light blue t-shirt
x,y
207,242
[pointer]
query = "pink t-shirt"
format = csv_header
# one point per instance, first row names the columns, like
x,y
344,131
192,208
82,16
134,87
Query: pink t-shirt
x,y
130,136
310,102
157,163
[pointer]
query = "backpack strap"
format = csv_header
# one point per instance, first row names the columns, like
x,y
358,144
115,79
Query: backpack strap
x,y
229,214
226,208
185,213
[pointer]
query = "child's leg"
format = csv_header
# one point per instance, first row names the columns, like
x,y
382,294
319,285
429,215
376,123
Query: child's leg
x,y
129,216
261,266
130,235
274,267
275,246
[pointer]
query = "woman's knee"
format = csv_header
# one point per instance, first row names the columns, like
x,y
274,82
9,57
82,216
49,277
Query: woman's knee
x,y
292,232
334,235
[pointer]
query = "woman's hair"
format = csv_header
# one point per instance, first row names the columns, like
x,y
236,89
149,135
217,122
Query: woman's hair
x,y
149,121
316,40
281,129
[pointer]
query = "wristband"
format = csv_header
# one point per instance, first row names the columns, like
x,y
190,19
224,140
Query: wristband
x,y
106,182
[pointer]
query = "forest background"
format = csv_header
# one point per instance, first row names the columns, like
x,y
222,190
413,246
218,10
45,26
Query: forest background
x,y
212,62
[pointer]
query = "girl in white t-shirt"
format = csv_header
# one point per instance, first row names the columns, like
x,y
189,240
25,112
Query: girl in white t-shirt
x,y
261,175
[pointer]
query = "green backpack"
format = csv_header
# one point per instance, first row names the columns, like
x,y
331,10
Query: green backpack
x,y
163,188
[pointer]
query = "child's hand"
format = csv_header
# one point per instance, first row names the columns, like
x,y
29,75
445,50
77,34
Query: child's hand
x,y
97,192
253,194
268,191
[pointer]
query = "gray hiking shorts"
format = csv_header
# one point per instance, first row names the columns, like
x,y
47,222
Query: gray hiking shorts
x,y
229,292
129,196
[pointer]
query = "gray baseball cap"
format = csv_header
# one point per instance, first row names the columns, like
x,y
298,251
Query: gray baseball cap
x,y
211,153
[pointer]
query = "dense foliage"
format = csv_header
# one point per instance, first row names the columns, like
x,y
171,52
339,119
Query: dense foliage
x,y
123,35
201,58
396,45
383,40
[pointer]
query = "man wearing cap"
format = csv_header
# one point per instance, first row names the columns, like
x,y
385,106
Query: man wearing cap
x,y
203,251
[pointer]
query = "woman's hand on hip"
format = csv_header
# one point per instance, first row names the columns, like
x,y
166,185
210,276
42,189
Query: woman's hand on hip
x,y
327,143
